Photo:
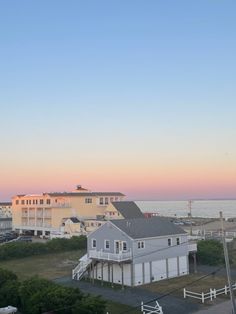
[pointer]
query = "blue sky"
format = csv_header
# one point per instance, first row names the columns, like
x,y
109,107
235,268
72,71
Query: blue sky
x,y
90,85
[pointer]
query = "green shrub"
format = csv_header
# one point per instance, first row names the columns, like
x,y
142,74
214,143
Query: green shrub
x,y
19,249
6,275
210,252
36,296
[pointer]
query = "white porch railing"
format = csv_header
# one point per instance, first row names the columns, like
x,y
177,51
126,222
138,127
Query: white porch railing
x,y
148,309
120,257
212,294
80,269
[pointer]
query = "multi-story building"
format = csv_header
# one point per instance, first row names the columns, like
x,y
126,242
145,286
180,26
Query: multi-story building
x,y
44,213
136,251
5,209
5,224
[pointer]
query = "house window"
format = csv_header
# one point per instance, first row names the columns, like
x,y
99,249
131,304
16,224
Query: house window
x,y
48,201
88,200
106,201
29,202
22,202
41,202
36,202
178,241
101,201
111,199
169,242
94,243
141,245
124,246
107,244
17,202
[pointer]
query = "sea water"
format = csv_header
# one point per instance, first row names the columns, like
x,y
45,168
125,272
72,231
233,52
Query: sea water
x,y
199,208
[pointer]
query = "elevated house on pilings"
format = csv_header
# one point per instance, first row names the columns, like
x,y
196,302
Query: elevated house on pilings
x,y
132,252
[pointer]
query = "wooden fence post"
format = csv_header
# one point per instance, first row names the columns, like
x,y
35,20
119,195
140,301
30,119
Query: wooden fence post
x,y
202,297
184,293
142,306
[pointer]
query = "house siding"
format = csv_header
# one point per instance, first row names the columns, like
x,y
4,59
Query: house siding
x,y
157,249
155,261
108,232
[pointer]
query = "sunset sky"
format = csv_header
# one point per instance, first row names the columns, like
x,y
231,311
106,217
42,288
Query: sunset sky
x,y
131,96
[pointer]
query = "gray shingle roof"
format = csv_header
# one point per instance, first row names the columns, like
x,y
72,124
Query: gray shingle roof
x,y
128,209
141,228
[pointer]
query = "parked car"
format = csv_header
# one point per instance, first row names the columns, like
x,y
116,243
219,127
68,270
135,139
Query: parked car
x,y
2,239
10,236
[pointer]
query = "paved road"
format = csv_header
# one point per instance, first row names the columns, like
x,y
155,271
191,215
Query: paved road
x,y
134,296
224,307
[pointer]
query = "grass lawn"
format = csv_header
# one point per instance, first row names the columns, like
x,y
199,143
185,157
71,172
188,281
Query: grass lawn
x,y
117,308
202,285
49,266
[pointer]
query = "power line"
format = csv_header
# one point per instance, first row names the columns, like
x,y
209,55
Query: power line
x,y
174,290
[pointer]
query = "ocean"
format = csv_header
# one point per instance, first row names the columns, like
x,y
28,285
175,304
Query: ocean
x,y
200,208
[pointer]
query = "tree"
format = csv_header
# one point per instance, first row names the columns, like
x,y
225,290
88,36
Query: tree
x,y
9,294
210,252
90,305
40,295
6,275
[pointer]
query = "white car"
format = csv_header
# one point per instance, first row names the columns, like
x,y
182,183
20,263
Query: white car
x,y
8,310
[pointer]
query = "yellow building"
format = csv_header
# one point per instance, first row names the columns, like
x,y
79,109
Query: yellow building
x,y
44,213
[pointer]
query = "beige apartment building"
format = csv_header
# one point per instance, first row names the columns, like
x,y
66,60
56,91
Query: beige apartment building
x,y
45,213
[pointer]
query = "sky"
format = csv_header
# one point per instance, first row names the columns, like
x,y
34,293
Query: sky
x,y
131,96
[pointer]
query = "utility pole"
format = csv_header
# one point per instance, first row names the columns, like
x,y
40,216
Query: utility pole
x,y
190,216
227,265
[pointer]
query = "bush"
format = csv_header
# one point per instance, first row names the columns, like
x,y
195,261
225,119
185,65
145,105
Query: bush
x,y
6,275
9,293
13,250
36,296
90,305
210,252
8,288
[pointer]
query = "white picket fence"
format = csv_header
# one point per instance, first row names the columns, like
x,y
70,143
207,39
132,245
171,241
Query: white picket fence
x,y
212,294
148,309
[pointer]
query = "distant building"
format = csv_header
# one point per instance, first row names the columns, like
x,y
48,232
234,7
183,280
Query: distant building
x,y
5,224
46,212
136,251
6,209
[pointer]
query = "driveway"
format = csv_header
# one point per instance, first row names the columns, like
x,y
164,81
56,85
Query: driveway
x,y
133,296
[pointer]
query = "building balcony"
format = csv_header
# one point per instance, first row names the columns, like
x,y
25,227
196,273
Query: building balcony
x,y
101,255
